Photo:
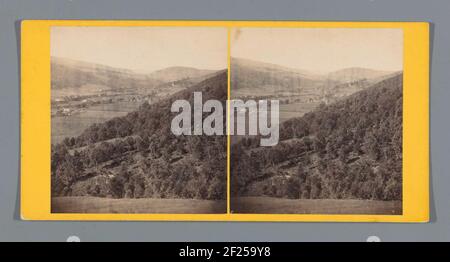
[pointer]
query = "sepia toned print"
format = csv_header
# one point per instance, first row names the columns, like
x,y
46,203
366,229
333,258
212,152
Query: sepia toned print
x,y
341,104
111,94
139,120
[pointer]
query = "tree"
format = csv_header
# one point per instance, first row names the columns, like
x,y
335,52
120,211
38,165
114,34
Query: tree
x,y
118,184
142,143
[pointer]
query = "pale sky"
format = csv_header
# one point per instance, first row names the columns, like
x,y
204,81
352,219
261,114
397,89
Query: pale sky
x,y
143,49
321,49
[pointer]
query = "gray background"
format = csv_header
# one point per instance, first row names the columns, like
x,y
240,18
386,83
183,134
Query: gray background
x,y
11,12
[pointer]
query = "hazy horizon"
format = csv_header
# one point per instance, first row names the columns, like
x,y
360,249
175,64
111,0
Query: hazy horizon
x,y
134,71
317,72
321,50
142,49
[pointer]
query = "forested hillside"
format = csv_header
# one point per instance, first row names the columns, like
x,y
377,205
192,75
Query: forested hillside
x,y
351,149
137,156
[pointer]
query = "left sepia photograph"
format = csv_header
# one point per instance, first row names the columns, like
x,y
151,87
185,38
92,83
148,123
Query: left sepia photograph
x,y
112,149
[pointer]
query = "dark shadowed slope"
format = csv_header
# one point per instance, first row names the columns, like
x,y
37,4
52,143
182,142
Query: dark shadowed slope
x,y
137,156
351,149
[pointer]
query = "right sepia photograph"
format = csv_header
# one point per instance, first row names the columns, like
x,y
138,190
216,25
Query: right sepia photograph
x,y
340,97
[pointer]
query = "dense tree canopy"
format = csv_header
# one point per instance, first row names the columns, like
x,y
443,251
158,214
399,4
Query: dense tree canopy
x,y
349,149
137,155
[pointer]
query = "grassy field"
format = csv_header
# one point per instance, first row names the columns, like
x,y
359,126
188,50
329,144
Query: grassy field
x,y
271,205
288,111
74,125
142,205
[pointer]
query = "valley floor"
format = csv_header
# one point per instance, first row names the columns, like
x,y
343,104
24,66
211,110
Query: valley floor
x,y
271,205
74,125
141,205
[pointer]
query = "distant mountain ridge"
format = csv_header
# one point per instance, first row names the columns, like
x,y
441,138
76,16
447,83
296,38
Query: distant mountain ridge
x,y
356,73
86,66
271,67
69,73
176,73
248,73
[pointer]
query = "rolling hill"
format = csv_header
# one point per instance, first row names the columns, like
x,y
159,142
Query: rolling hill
x,y
88,78
254,79
176,73
73,74
356,73
249,74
